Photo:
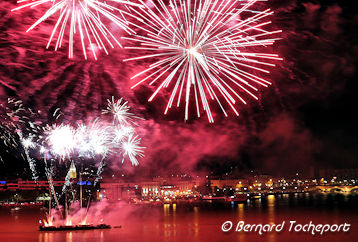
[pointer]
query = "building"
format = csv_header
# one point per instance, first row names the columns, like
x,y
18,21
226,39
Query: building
x,y
234,183
157,188
27,185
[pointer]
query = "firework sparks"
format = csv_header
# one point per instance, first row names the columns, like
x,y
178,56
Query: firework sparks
x,y
84,17
96,140
132,149
120,111
18,130
28,143
70,144
62,139
93,139
204,50
122,132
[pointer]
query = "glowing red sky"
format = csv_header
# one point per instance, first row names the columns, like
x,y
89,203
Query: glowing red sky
x,y
303,120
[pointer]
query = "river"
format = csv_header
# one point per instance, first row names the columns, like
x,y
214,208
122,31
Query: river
x,y
180,222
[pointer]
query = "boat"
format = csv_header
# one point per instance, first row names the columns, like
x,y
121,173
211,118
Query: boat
x,y
237,198
74,227
214,198
72,174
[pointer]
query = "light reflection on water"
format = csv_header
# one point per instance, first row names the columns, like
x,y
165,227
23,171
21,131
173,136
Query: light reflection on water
x,y
200,222
241,217
271,214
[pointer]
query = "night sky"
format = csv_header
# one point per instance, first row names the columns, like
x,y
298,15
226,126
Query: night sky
x,y
307,118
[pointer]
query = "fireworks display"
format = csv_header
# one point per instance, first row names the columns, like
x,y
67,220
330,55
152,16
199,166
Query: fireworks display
x,y
110,136
201,51
146,119
18,126
85,17
204,50
96,141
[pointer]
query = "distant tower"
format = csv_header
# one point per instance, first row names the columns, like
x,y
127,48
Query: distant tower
x,y
73,173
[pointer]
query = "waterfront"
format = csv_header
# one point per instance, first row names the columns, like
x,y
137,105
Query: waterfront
x,y
172,222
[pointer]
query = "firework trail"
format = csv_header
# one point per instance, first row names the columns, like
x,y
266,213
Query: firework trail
x,y
18,130
28,144
9,119
85,17
132,149
110,135
204,50
120,112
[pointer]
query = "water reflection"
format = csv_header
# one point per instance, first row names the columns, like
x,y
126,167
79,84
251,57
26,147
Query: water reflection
x,y
69,237
196,221
167,223
202,222
241,217
174,219
46,237
271,208
271,215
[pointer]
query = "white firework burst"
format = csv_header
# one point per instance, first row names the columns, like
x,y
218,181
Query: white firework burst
x,y
85,17
204,50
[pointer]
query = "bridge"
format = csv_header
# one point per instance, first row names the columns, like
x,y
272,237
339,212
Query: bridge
x,y
334,188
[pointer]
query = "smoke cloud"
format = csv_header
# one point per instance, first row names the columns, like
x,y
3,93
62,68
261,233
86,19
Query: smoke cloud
x,y
278,134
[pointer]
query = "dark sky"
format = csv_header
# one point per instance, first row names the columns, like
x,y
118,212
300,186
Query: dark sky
x,y
306,119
